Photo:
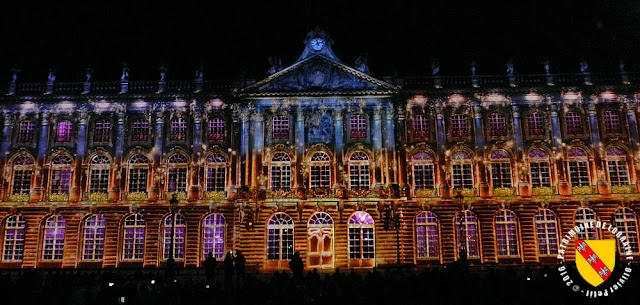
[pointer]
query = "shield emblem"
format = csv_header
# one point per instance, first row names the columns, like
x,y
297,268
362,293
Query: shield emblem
x,y
595,259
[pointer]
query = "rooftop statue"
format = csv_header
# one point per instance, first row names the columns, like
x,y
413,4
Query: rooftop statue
x,y
275,65
125,73
52,76
435,68
163,70
89,72
361,64
584,66
199,77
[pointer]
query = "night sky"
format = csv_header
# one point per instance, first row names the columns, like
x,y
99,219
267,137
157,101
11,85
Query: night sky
x,y
235,38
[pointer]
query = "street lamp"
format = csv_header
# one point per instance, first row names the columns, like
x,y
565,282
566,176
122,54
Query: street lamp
x,y
173,203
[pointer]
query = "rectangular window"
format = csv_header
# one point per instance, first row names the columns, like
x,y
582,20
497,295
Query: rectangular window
x,y
574,123
497,125
462,176
178,130
215,179
281,178
578,173
63,131
177,179
423,176
540,174
459,126
358,125
535,124
359,177
60,181
216,130
14,235
21,182
320,176
101,132
99,181
140,131
93,243
138,180
133,242
281,128
26,132
618,172
420,125
501,175
612,122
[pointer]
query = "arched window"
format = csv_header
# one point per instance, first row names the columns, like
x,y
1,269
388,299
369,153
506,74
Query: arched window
x,y
500,168
361,239
54,233
94,229
359,174
320,236
60,177
427,245
216,173
138,173
578,165
14,231
320,171
213,235
134,230
547,232
506,224
467,233
99,171
586,218
177,173
461,170
179,232
423,171
617,168
497,125
626,223
280,237
281,172
539,168
23,167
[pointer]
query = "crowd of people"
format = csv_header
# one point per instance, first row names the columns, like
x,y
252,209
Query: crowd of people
x,y
229,283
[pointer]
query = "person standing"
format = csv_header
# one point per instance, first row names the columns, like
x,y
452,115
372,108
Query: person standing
x,y
228,271
240,264
210,264
296,265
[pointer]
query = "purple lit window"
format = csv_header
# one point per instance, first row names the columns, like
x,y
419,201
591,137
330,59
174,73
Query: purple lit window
x,y
547,232
280,237
178,130
54,232
320,171
177,173
497,125
423,174
101,131
420,125
14,232
60,181
427,235
626,223
26,132
467,233
535,124
358,126
178,237
281,128
461,170
361,236
138,173
500,169
140,130
506,233
213,235
216,129
281,172
459,127
133,246
612,122
94,229
587,218
22,172
99,175
574,123
539,168
578,167
216,173
63,131
617,166
359,171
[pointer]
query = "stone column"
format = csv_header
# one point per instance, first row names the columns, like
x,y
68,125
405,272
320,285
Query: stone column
x,y
196,154
376,137
43,145
339,143
116,186
257,148
245,172
81,152
522,177
157,190
300,184
390,147
443,184
601,179
4,149
483,186
556,140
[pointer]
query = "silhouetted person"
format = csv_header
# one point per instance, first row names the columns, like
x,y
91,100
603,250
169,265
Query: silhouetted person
x,y
240,264
228,270
210,264
296,265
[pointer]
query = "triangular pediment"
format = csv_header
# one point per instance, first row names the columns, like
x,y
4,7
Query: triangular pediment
x,y
318,75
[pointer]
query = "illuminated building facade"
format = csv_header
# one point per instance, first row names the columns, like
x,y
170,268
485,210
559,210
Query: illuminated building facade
x,y
321,158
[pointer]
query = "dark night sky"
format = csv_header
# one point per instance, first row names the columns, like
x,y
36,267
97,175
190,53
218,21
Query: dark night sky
x,y
235,37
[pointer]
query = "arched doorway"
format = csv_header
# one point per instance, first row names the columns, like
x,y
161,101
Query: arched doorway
x,y
320,236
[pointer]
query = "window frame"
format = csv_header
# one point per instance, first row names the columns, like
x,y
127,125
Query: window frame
x,y
431,223
548,217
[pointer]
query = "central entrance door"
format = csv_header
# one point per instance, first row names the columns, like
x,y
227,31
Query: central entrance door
x,y
320,235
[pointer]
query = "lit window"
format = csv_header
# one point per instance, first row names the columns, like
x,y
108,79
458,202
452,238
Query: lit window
x,y
179,230
507,233
101,131
23,167
547,232
500,168
626,223
586,218
213,235
459,126
64,131
535,124
178,130
320,171
281,172
94,230
427,235
358,126
99,174
497,125
134,230
420,126
359,171
54,233
574,123
177,173
539,168
361,238
216,173
617,166
462,172
140,130
467,233
26,132
320,232
578,167
280,237
14,233
423,171
138,173
216,130
281,128
60,179
612,122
